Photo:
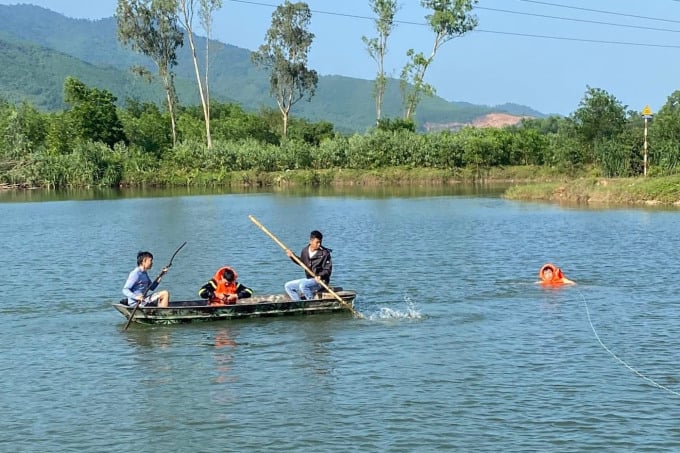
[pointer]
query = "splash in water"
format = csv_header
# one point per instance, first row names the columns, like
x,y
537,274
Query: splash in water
x,y
389,314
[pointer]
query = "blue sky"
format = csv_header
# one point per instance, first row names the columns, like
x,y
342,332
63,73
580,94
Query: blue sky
x,y
542,54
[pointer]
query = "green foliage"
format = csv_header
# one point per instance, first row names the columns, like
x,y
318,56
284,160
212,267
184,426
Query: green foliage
x,y
146,127
600,117
93,113
25,130
331,153
310,133
528,146
447,149
395,124
89,51
151,27
295,155
231,122
612,159
564,151
58,149
664,137
62,133
447,19
385,10
89,164
284,56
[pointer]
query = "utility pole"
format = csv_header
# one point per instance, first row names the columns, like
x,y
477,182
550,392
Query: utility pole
x,y
647,115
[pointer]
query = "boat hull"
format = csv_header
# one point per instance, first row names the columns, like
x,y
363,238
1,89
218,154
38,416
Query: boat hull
x,y
255,307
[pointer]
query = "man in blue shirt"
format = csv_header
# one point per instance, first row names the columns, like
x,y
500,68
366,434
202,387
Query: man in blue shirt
x,y
138,284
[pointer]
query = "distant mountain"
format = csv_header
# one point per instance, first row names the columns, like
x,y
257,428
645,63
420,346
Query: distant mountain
x,y
40,48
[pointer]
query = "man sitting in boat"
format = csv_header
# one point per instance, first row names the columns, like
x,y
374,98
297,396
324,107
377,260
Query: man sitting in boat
x,y
138,284
552,275
317,258
224,288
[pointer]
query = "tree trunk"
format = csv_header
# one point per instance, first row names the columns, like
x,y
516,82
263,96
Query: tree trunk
x,y
171,106
207,91
187,12
285,123
204,102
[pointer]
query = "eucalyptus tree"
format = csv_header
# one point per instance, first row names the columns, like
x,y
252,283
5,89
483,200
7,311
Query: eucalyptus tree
x,y
448,19
208,7
186,18
377,46
284,55
151,28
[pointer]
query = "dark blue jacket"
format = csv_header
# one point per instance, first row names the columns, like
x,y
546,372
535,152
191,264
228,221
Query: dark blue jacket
x,y
321,263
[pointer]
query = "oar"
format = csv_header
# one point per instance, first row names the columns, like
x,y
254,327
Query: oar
x,y
165,269
309,271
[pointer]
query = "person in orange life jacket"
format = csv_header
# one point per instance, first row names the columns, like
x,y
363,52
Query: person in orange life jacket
x,y
318,259
224,288
138,284
552,275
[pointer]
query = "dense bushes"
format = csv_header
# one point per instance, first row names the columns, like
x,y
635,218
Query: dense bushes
x,y
95,144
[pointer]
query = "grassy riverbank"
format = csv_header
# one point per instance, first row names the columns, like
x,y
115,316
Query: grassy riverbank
x,y
639,190
395,176
531,183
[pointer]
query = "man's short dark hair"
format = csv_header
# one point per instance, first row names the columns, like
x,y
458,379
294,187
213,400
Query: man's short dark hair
x,y
316,234
141,256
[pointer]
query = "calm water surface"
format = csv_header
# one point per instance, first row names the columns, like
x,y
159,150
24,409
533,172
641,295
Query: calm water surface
x,y
459,351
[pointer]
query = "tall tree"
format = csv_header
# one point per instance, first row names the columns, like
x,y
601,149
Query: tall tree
x,y
284,55
186,18
448,19
377,47
151,28
600,116
598,123
664,135
208,7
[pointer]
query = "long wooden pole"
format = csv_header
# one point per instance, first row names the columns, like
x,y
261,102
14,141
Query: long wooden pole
x,y
165,269
304,266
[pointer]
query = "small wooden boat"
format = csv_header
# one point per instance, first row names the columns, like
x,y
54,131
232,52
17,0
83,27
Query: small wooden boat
x,y
185,311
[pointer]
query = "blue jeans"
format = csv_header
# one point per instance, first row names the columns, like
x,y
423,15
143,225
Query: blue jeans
x,y
302,286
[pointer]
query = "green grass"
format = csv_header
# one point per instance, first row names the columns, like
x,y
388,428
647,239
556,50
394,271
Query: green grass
x,y
640,190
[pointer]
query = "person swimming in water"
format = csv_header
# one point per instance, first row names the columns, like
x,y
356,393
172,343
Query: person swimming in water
x,y
550,274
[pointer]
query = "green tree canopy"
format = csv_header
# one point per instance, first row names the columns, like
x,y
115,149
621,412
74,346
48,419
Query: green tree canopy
x,y
93,113
377,47
151,27
448,19
284,55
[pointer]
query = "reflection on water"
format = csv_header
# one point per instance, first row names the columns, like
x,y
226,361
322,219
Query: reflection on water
x,y
147,337
223,355
37,195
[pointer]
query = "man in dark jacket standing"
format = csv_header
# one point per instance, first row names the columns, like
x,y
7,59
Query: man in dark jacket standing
x,y
318,259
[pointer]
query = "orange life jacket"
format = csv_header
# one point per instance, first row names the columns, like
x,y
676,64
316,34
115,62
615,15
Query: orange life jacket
x,y
557,275
222,287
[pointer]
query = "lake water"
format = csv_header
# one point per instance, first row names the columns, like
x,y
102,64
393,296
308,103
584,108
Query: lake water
x,y
459,350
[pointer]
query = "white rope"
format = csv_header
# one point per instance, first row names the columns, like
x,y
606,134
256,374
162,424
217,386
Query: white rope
x,y
621,361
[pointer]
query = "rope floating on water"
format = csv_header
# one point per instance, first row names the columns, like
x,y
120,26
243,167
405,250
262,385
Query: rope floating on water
x,y
621,361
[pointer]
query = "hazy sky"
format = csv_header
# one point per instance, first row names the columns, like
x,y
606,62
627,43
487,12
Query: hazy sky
x,y
542,54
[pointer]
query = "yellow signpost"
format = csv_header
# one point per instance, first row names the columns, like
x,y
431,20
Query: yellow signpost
x,y
647,115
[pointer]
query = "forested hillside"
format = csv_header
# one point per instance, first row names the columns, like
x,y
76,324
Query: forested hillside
x,y
40,48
